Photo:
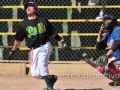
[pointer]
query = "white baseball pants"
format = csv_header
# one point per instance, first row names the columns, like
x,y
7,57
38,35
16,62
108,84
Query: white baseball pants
x,y
39,59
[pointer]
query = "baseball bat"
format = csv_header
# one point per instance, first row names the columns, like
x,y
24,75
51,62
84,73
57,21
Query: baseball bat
x,y
84,58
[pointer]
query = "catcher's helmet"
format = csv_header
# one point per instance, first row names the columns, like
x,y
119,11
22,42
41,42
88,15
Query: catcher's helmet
x,y
31,3
110,25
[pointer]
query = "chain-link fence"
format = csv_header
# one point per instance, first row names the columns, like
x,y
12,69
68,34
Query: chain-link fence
x,y
86,25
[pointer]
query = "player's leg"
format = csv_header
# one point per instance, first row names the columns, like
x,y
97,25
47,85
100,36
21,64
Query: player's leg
x,y
43,57
39,64
115,77
114,67
112,71
109,70
117,65
34,63
103,68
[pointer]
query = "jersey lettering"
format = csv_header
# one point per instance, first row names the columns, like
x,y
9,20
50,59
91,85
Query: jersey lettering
x,y
32,31
109,44
41,27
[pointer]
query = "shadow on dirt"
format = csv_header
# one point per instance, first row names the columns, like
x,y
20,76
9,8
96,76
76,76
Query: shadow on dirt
x,y
85,89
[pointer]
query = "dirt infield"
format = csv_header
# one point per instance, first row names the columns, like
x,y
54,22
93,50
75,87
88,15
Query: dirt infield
x,y
28,83
70,77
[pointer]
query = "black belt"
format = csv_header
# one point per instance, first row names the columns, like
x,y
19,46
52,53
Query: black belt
x,y
38,45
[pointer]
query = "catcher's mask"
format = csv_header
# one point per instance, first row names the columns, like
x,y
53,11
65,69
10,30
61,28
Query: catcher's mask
x,y
109,26
31,3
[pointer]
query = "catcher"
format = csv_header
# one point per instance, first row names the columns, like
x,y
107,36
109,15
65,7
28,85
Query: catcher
x,y
109,63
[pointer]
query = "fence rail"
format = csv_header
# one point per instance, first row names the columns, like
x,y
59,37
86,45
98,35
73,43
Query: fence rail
x,y
56,20
61,34
59,47
63,7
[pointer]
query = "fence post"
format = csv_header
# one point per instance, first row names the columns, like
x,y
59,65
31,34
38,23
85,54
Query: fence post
x,y
4,41
75,40
56,54
1,53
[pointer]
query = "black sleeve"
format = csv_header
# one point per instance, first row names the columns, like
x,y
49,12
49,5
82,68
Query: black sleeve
x,y
101,45
50,28
116,45
19,34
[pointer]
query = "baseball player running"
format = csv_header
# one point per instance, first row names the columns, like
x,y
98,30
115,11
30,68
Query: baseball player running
x,y
36,31
109,62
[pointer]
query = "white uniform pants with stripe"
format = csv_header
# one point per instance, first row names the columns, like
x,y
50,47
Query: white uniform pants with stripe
x,y
39,59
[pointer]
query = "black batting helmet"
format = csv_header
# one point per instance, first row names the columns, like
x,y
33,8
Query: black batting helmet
x,y
31,3
112,23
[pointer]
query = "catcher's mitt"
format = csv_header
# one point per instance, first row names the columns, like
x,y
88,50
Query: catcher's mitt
x,y
102,61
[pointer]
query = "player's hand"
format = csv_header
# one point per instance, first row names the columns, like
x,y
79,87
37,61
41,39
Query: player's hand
x,y
64,44
102,61
10,56
102,29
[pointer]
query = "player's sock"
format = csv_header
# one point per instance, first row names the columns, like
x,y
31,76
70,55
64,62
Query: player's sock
x,y
47,81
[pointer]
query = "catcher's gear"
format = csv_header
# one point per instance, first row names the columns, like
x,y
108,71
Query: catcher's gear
x,y
64,44
110,25
102,61
10,56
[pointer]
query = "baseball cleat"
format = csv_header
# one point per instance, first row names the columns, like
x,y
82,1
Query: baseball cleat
x,y
48,89
53,80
